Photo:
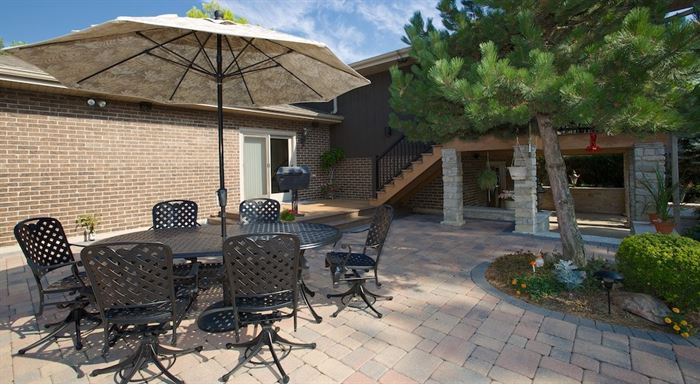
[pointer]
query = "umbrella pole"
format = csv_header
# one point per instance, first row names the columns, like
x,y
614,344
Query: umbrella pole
x,y
221,193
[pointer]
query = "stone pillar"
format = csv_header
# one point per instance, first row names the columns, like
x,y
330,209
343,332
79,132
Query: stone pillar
x,y
525,191
646,159
452,200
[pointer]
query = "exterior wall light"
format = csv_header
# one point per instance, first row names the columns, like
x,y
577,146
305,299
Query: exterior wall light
x,y
96,103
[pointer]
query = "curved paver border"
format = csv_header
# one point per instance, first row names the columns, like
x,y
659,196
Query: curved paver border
x,y
478,276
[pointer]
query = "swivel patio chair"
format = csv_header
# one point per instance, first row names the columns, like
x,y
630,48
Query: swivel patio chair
x,y
261,273
259,211
351,267
183,214
175,214
46,248
136,293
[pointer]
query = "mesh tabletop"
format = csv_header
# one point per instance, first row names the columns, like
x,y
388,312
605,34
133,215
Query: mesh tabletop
x,y
205,241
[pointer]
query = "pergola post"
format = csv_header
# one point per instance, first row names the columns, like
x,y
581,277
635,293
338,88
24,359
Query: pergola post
x,y
525,191
453,202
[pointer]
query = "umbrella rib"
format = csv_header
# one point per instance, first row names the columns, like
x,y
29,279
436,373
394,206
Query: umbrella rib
x,y
187,70
235,57
283,67
159,45
128,58
235,60
206,55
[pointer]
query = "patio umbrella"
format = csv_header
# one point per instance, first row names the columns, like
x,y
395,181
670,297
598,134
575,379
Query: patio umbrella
x,y
184,60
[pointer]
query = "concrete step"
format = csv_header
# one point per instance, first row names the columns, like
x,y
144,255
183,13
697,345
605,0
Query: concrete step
x,y
342,219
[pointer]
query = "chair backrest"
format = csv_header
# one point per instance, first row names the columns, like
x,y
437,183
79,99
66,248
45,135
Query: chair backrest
x,y
379,228
126,275
175,214
262,265
259,211
44,244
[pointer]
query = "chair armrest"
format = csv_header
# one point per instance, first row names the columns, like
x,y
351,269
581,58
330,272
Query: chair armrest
x,y
360,230
77,245
56,266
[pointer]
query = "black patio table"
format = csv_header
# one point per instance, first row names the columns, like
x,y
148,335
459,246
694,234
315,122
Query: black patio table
x,y
205,241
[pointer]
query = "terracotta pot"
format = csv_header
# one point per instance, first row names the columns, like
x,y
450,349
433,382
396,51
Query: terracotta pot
x,y
665,227
653,217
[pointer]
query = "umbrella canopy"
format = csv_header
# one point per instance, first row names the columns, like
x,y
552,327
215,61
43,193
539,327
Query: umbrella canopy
x,y
173,60
184,60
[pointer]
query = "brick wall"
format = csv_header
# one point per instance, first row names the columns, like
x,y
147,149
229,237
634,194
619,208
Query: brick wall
x,y
354,178
60,158
430,196
591,200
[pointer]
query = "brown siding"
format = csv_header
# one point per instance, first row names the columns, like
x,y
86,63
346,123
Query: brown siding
x,y
365,112
60,158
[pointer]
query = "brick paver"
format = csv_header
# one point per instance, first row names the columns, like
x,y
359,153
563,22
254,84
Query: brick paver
x,y
442,327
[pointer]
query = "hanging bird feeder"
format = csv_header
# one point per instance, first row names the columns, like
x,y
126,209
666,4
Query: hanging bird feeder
x,y
592,146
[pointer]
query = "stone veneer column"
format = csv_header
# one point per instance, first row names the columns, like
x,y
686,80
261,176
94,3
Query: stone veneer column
x,y
452,200
525,191
646,159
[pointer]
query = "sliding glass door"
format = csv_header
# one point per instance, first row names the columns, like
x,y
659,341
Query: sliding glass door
x,y
262,154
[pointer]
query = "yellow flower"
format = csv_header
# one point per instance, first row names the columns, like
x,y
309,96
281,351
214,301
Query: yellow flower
x,y
685,334
676,310
676,328
514,281
517,292
667,320
523,285
683,322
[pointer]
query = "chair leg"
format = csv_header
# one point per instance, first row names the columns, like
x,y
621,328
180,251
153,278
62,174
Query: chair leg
x,y
353,291
369,305
149,351
268,336
49,337
255,350
285,378
376,296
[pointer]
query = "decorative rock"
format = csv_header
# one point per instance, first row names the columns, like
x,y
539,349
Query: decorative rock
x,y
642,305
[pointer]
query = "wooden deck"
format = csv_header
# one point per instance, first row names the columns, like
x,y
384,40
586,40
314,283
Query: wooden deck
x,y
341,213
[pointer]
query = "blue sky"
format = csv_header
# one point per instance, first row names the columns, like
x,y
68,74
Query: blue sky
x,y
353,29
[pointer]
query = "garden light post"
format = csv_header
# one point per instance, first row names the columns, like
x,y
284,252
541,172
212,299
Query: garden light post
x,y
608,279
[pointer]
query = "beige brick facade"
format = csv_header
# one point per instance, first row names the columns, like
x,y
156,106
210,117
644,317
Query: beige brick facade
x,y
60,158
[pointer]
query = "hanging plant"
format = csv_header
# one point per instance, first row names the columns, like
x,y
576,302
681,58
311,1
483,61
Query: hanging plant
x,y
487,180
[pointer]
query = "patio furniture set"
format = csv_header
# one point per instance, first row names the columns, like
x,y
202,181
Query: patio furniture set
x,y
144,283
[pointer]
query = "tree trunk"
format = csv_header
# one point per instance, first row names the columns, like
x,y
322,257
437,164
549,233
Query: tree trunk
x,y
571,239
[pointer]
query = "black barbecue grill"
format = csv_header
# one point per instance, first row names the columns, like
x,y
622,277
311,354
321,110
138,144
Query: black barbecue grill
x,y
294,179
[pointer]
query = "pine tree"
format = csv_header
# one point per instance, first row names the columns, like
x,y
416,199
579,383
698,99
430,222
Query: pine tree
x,y
620,66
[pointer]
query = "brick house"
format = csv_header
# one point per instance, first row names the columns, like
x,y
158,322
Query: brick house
x,y
61,157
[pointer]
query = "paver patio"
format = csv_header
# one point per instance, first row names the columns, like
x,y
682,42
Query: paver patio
x,y
441,327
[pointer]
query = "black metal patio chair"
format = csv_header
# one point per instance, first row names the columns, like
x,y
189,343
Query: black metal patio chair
x,y
260,210
351,267
261,273
45,246
183,214
136,293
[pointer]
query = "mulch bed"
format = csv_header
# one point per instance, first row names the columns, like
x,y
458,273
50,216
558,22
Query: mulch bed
x,y
589,301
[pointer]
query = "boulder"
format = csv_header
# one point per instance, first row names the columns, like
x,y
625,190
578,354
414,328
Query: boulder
x,y
642,305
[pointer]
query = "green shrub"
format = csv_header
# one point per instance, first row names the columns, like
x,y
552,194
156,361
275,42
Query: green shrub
x,y
662,265
537,285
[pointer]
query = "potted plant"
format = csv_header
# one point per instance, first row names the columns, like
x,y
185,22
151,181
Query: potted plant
x,y
88,222
329,160
287,215
661,194
508,198
518,172
487,181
